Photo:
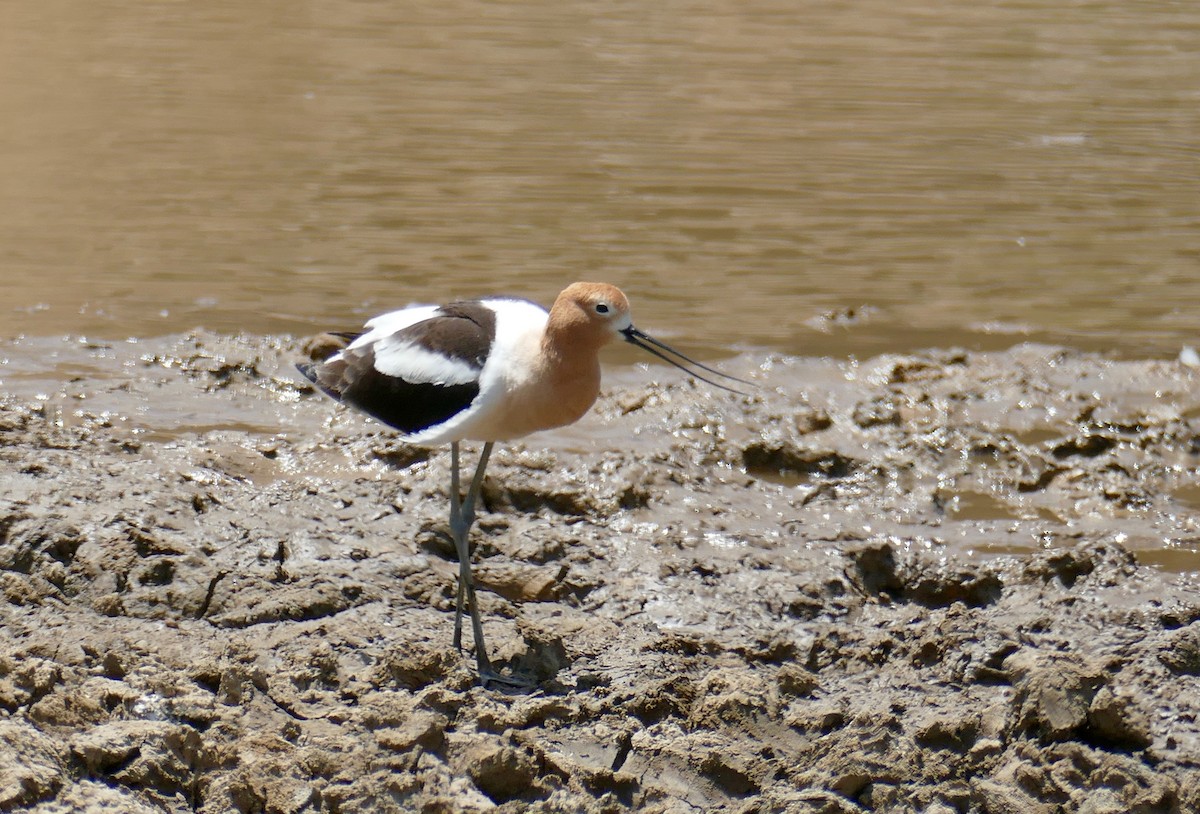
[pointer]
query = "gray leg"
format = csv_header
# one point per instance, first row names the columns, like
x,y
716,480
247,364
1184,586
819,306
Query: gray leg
x,y
457,532
462,517
468,507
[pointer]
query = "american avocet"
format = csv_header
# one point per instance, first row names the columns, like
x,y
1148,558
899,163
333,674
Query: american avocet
x,y
483,370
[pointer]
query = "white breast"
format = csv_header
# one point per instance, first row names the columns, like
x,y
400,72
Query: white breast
x,y
511,364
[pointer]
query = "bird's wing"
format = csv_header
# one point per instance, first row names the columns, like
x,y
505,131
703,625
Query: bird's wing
x,y
413,374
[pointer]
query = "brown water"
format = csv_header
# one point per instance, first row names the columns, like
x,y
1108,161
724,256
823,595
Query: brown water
x,y
817,177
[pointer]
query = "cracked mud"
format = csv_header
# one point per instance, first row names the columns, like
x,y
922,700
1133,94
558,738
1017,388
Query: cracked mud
x,y
947,582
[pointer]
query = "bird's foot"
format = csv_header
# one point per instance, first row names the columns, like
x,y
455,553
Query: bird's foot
x,y
489,677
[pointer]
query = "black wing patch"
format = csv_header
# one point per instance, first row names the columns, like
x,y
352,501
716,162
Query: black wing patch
x,y
461,331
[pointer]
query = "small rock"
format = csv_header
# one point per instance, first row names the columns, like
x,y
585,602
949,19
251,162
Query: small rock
x,y
877,412
105,747
500,771
320,347
521,583
729,772
1181,652
945,730
796,681
996,798
1054,695
1115,719
424,729
419,667
288,796
33,767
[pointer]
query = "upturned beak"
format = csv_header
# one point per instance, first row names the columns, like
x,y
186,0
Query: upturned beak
x,y
651,345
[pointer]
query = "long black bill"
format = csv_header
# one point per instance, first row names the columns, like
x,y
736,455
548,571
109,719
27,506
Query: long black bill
x,y
648,343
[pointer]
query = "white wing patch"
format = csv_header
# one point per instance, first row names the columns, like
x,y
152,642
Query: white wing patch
x,y
408,361
387,324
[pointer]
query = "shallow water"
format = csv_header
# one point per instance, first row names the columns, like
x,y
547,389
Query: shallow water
x,y
813,178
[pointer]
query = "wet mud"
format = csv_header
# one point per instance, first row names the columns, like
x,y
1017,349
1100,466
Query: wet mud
x,y
945,582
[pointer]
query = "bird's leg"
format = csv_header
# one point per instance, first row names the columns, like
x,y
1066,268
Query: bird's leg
x,y
468,516
458,533
468,506
462,517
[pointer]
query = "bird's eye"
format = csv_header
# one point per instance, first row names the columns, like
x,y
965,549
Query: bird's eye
x,y
601,308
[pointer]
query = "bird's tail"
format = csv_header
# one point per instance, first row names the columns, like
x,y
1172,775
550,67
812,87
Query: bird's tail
x,y
309,369
312,372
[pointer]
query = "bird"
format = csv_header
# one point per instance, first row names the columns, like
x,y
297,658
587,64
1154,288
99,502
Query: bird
x,y
485,370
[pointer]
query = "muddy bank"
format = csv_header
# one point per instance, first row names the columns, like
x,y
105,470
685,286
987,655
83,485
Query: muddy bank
x,y
940,583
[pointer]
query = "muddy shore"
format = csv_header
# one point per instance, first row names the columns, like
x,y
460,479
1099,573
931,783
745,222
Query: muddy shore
x,y
945,582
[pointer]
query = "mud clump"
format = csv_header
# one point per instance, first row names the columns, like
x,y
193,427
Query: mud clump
x,y
882,572
1181,654
912,584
